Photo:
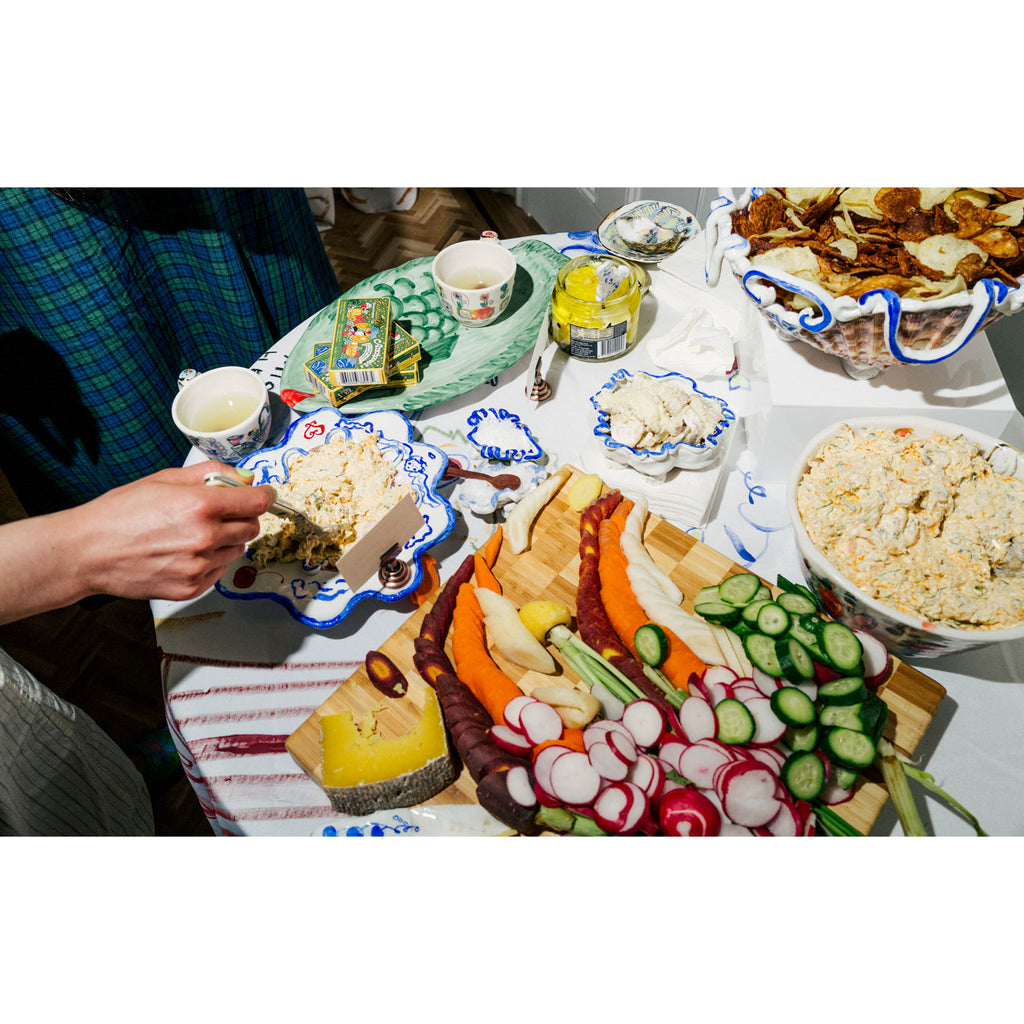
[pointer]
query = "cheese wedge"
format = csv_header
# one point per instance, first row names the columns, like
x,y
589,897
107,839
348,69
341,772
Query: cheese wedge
x,y
364,772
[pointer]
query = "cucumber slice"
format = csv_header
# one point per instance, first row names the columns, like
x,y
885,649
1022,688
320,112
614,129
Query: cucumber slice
x,y
846,716
718,612
801,737
795,588
761,651
793,706
843,777
651,644
735,723
803,772
739,589
706,595
794,659
773,619
796,604
849,748
749,614
845,690
842,647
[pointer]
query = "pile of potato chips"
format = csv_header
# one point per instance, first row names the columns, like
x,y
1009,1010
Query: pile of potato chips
x,y
922,243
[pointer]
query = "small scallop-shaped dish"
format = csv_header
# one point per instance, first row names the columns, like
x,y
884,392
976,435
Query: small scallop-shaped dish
x,y
659,461
501,435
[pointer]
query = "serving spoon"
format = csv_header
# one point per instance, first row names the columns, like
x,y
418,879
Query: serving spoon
x,y
500,482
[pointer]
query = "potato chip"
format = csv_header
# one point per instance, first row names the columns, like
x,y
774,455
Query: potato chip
x,y
898,204
942,252
997,242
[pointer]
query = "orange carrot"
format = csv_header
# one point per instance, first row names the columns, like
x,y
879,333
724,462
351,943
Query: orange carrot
x,y
431,580
473,662
484,574
627,614
493,546
571,738
621,512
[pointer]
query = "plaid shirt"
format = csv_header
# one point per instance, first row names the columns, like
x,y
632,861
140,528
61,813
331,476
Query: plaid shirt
x,y
106,295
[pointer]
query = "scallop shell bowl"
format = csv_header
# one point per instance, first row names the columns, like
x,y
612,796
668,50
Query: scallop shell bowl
x,y
658,462
869,334
904,634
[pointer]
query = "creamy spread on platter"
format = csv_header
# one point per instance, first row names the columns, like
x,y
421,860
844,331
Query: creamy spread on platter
x,y
344,486
646,412
922,524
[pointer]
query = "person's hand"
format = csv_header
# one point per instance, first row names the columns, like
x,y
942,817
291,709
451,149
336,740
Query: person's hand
x,y
167,535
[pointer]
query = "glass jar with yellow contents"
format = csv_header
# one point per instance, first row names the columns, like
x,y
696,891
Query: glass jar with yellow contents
x,y
595,306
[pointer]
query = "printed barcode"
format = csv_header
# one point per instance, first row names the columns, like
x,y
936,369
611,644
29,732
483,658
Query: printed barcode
x,y
610,346
356,376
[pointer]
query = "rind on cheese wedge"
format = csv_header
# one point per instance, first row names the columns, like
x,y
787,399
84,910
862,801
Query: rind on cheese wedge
x,y
364,772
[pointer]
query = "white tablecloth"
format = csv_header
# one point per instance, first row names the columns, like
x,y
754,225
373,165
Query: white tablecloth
x,y
240,676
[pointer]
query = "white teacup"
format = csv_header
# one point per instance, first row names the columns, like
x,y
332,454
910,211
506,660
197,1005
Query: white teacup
x,y
474,280
225,412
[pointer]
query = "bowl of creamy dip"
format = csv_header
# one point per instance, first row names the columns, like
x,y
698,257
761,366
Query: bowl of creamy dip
x,y
912,529
655,423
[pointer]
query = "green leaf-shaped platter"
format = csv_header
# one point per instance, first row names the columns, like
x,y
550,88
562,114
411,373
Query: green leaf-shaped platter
x,y
455,359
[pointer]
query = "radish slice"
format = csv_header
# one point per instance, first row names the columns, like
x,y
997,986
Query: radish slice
x,y
510,739
746,691
542,765
574,779
719,674
645,720
788,823
698,688
513,708
622,746
699,762
519,786
747,792
697,719
688,812
606,762
718,692
620,807
768,727
648,773
671,751
597,731
539,722
765,683
771,757
877,661
833,795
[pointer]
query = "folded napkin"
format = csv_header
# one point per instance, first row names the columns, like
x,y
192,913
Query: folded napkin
x,y
684,498
695,346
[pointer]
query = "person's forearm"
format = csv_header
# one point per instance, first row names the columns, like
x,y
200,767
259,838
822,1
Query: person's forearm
x,y
37,566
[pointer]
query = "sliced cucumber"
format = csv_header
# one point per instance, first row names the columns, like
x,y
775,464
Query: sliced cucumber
x,y
706,595
803,772
718,612
801,737
740,589
763,593
761,651
846,716
735,723
794,659
651,644
795,588
843,777
849,748
844,690
773,619
749,614
796,604
793,706
842,647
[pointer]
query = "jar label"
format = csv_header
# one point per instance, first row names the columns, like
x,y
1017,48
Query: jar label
x,y
598,342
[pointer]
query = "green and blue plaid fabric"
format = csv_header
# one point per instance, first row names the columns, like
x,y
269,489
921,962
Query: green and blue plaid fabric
x,y
106,294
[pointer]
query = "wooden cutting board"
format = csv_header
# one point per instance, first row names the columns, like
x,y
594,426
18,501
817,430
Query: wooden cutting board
x,y
549,569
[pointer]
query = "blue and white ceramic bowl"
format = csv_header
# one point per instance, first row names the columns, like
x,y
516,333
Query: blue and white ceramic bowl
x,y
657,462
905,635
869,334
320,597
501,435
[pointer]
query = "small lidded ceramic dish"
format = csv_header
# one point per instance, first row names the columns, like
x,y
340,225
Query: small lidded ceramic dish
x,y
501,435
655,423
927,515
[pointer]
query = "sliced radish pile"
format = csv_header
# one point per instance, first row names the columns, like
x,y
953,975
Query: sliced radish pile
x,y
520,788
620,808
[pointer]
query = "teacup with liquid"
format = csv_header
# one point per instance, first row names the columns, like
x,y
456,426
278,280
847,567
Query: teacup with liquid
x,y
224,412
474,280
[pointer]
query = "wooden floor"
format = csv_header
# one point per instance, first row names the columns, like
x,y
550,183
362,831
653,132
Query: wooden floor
x,y
102,655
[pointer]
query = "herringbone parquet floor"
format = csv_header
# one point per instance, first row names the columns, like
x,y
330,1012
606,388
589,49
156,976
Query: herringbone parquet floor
x,y
102,655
